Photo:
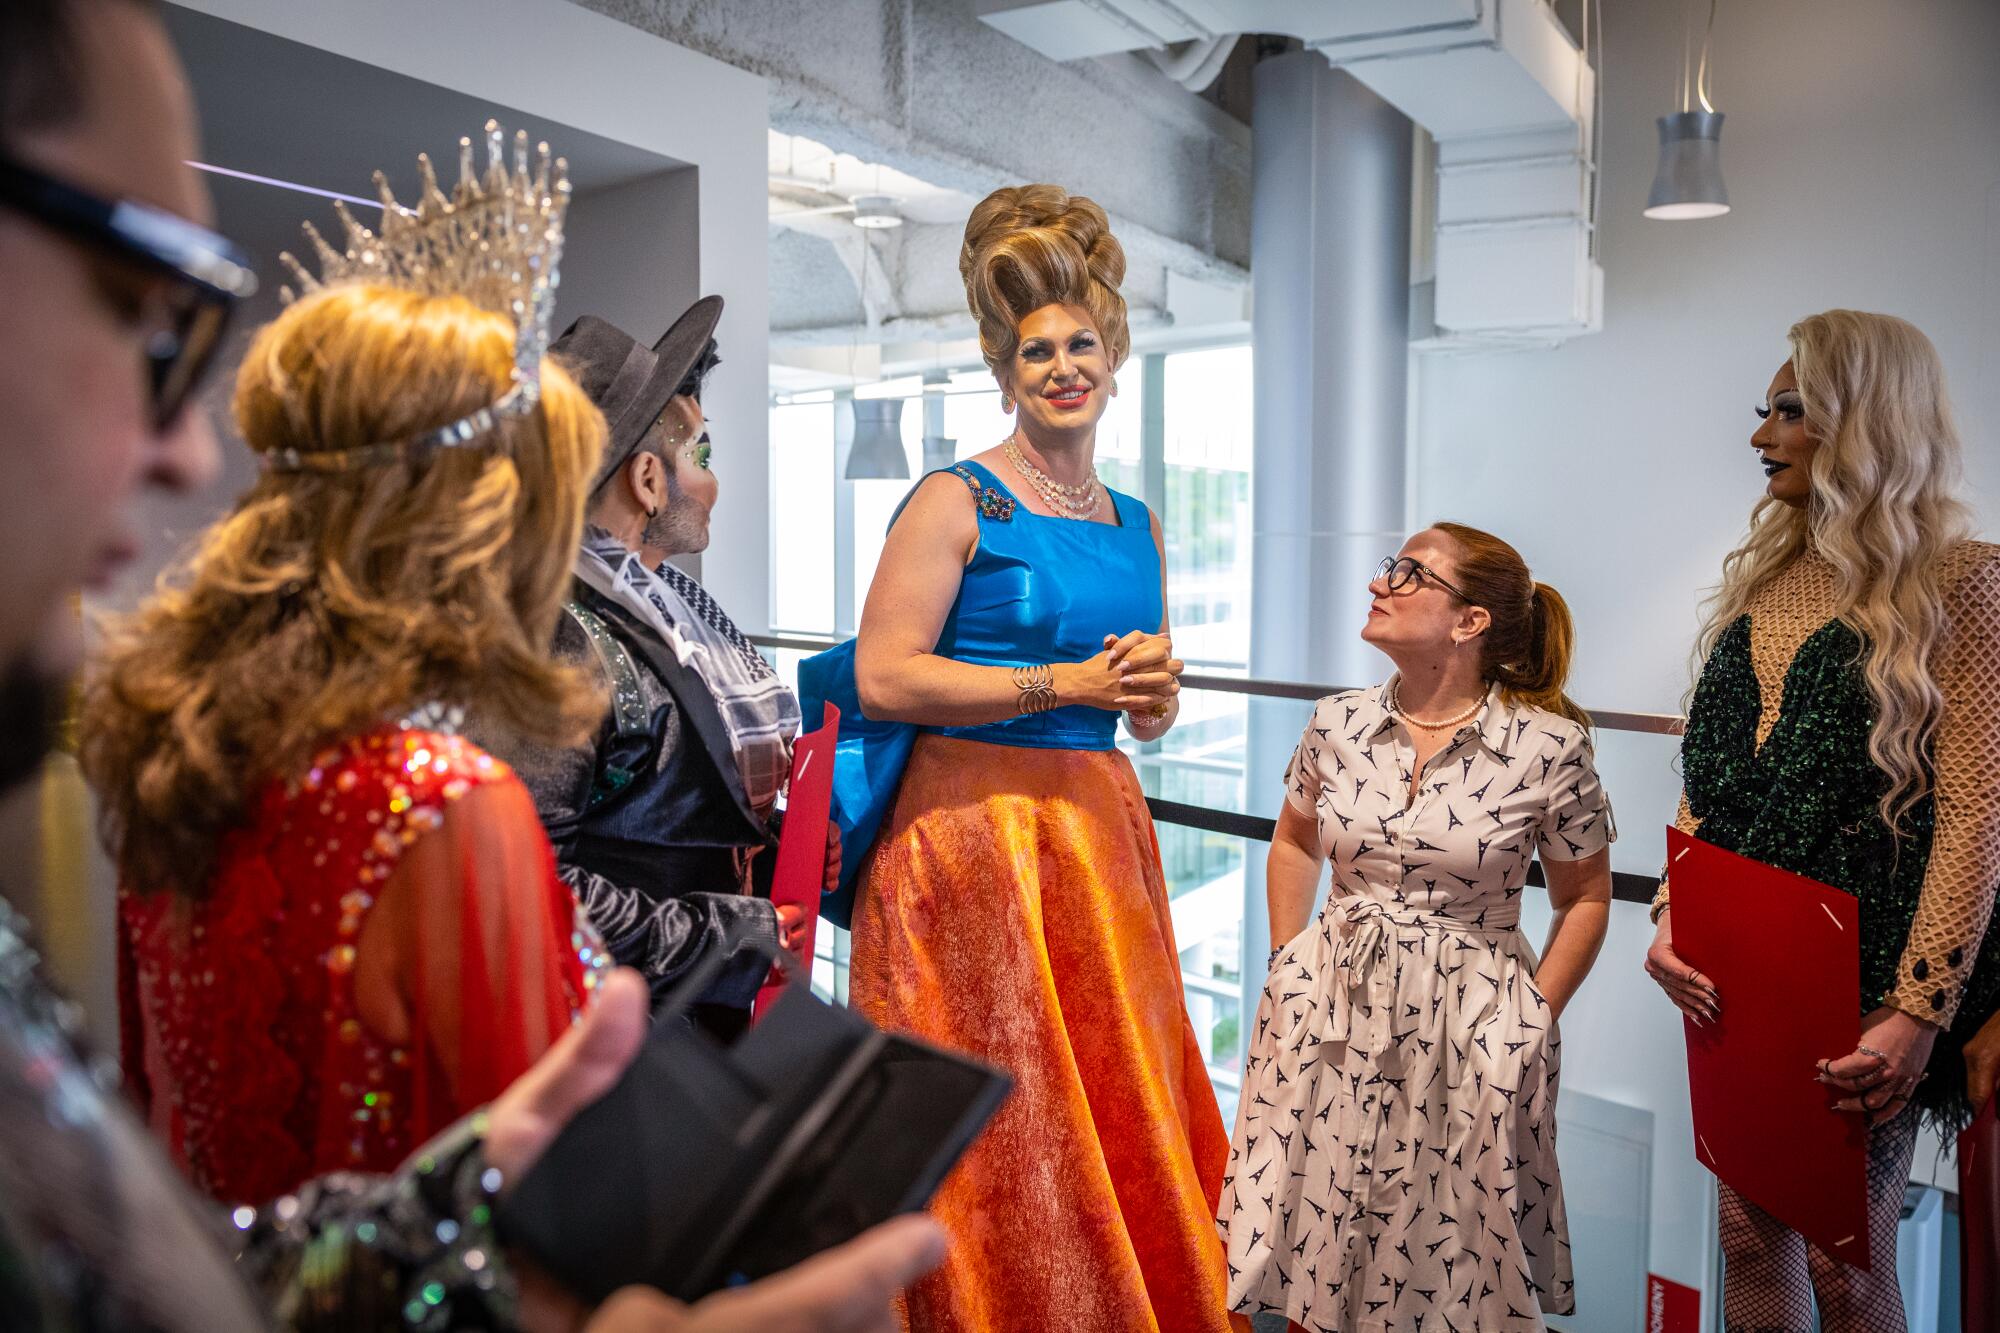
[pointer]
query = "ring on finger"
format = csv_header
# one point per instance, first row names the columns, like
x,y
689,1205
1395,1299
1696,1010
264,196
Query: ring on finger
x,y
1870,1050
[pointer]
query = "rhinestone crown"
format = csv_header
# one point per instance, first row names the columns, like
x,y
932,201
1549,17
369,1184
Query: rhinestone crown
x,y
496,241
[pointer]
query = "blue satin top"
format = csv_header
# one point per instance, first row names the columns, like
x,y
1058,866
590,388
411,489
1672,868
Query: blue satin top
x,y
1043,589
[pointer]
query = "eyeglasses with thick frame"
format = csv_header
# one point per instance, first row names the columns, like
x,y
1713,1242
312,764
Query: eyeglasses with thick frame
x,y
1397,570
208,274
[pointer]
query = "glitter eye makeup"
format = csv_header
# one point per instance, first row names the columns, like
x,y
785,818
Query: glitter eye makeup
x,y
701,451
1788,405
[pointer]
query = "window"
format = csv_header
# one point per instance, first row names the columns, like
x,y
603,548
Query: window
x,y
974,421
876,499
802,516
1204,447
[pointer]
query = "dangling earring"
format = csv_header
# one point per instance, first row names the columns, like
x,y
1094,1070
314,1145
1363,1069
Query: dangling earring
x,y
1006,404
1114,386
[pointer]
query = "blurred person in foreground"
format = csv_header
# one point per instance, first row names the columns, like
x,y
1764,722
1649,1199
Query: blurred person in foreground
x,y
118,295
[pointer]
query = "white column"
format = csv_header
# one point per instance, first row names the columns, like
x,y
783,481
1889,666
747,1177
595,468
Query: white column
x,y
1330,261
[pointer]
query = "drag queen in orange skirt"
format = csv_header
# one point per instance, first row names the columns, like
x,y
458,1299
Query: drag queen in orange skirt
x,y
1013,905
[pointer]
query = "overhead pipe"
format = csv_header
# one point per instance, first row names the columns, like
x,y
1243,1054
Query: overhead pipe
x,y
1194,65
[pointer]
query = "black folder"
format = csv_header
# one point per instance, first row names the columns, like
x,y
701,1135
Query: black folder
x,y
709,1165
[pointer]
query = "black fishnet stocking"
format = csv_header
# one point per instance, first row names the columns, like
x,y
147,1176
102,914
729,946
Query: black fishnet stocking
x,y
1772,1276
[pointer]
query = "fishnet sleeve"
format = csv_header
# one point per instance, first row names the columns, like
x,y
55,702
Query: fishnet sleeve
x,y
1685,821
1957,899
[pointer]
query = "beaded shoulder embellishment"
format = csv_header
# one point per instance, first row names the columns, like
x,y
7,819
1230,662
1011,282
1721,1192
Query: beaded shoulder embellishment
x,y
996,505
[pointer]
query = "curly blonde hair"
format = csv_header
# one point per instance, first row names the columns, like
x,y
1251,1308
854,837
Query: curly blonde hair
x,y
327,603
1884,511
1030,246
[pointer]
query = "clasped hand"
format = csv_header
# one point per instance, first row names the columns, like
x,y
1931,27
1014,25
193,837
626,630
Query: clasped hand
x,y
1885,1067
1137,673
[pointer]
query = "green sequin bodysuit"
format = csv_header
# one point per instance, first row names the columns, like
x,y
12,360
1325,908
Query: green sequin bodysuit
x,y
1806,800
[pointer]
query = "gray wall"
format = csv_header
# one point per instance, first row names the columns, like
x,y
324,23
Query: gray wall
x,y
633,255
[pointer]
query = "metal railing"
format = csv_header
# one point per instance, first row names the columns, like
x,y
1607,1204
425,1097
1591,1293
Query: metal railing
x,y
1657,724
1625,886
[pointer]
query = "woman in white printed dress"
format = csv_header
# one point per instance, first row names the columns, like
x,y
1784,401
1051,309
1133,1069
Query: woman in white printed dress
x,y
1394,1161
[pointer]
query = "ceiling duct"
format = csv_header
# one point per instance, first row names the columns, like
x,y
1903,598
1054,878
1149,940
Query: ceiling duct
x,y
1501,86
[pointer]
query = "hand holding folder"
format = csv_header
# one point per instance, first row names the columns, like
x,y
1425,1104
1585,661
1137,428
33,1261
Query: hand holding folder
x,y
706,1165
799,877
1784,954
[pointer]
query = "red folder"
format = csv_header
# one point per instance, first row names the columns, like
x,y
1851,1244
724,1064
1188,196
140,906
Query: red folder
x,y
1979,1219
1783,952
800,874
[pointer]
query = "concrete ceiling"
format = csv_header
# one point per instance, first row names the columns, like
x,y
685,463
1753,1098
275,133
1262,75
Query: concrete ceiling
x,y
919,99
911,98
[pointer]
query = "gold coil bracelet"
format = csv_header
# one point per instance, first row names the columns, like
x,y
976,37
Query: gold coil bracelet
x,y
1037,686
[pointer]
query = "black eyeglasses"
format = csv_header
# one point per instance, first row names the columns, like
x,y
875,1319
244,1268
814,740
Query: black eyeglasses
x,y
208,275
1396,571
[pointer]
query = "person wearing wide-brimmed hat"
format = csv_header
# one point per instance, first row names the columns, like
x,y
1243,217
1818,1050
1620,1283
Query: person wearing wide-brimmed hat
x,y
659,822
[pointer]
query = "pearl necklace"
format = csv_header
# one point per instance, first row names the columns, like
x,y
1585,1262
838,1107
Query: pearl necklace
x,y
1078,502
1394,702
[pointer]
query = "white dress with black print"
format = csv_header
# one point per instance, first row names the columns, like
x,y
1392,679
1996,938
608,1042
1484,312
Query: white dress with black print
x,y
1394,1161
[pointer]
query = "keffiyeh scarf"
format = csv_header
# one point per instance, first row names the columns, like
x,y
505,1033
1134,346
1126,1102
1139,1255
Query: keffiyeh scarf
x,y
761,715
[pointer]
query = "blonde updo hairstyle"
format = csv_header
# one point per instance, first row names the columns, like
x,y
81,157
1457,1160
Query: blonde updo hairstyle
x,y
1030,246
323,604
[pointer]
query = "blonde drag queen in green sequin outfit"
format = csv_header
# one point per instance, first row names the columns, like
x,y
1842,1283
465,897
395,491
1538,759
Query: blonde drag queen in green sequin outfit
x,y
1843,727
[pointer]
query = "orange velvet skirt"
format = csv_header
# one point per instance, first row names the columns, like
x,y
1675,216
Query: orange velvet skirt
x,y
1015,909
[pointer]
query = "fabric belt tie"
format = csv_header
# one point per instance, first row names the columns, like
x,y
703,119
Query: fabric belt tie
x,y
1366,999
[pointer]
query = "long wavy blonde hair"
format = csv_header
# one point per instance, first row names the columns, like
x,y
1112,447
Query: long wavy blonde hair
x,y
323,604
1884,510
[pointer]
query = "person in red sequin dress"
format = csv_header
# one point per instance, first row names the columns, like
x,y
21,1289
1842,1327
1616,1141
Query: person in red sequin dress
x,y
341,926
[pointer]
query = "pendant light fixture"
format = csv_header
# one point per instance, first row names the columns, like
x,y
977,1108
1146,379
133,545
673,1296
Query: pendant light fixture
x,y
1688,183
877,449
